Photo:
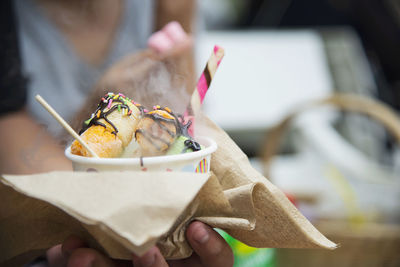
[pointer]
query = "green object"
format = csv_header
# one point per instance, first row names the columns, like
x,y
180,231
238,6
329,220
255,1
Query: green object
x,y
178,147
246,256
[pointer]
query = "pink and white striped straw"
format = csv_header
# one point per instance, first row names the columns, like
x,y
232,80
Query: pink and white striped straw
x,y
206,77
203,85
208,74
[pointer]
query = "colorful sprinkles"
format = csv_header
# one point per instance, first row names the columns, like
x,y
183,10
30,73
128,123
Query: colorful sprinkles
x,y
106,107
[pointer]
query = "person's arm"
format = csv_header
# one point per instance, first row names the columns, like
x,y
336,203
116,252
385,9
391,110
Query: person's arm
x,y
26,147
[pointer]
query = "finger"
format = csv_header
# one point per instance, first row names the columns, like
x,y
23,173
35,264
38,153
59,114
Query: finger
x,y
72,243
170,41
175,32
55,256
176,52
211,248
87,257
151,258
160,42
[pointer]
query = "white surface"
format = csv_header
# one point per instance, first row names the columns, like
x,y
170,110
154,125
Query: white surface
x,y
262,76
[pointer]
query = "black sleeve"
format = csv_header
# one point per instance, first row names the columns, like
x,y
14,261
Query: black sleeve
x,y
12,82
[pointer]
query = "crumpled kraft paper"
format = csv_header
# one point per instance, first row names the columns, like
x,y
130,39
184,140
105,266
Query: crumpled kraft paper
x,y
123,212
277,222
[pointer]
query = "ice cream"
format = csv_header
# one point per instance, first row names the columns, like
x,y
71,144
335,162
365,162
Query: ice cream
x,y
119,127
162,132
111,127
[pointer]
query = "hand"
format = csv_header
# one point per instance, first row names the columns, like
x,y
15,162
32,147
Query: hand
x,y
210,249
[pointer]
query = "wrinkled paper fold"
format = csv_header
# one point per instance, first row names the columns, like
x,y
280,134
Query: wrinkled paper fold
x,y
124,212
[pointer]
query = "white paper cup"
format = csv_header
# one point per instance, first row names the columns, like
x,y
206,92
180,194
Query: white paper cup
x,y
198,161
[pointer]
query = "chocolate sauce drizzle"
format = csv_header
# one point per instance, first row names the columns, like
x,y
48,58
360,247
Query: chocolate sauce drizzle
x,y
159,120
100,112
180,129
106,102
191,144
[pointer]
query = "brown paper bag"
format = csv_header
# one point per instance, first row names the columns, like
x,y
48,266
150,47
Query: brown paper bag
x,y
124,212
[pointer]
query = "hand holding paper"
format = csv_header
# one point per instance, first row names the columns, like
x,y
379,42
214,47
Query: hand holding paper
x,y
209,247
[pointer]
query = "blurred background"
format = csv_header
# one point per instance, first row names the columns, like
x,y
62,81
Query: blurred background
x,y
340,166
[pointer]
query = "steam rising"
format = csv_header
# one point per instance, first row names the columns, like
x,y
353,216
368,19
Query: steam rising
x,y
147,81
162,86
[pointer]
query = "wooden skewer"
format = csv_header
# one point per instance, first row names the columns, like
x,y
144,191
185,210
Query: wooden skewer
x,y
64,124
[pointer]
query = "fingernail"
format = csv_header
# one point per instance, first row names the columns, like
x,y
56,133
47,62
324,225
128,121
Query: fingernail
x,y
149,258
160,42
201,235
175,31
